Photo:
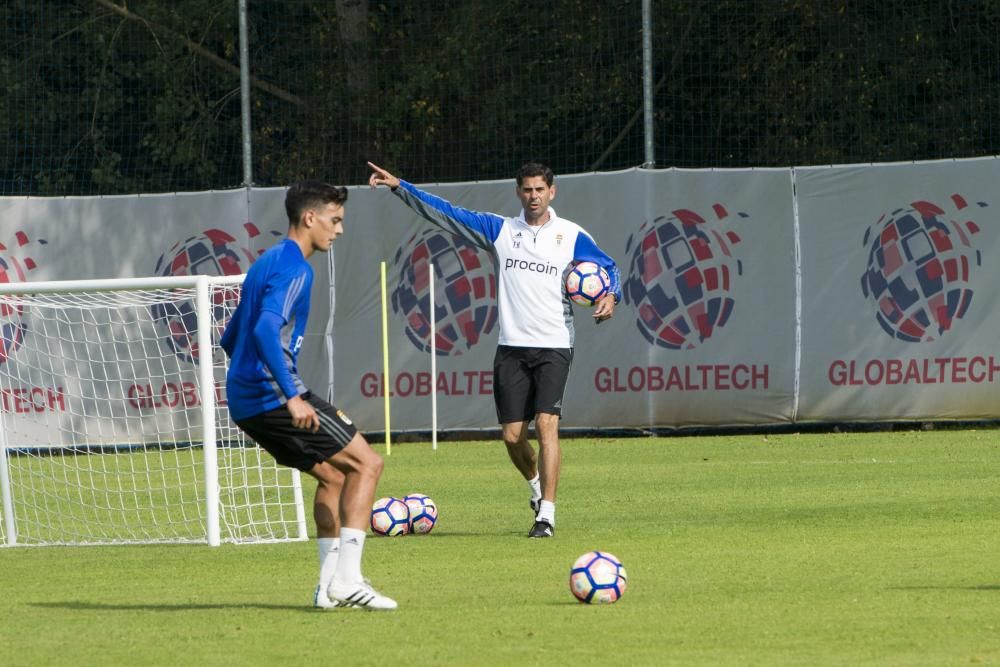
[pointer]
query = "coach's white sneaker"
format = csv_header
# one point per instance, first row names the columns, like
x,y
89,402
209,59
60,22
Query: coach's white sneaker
x,y
322,601
361,595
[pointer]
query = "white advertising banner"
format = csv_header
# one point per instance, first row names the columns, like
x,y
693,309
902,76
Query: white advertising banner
x,y
899,291
703,335
749,296
380,228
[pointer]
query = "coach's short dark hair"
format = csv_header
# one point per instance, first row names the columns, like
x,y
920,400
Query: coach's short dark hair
x,y
530,169
305,195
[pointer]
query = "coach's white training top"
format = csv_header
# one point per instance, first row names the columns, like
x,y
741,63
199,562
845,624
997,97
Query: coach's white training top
x,y
531,263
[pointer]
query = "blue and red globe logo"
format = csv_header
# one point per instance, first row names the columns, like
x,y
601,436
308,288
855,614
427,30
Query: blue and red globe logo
x,y
465,292
15,265
214,252
920,265
681,274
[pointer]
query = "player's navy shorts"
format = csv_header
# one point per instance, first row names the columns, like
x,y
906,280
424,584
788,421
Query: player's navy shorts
x,y
297,447
529,380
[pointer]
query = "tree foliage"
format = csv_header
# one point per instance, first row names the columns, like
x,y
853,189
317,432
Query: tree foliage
x,y
104,96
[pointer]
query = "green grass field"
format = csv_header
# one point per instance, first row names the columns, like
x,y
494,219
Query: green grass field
x,y
811,549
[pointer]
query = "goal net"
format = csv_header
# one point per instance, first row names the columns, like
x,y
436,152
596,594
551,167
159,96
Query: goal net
x,y
113,424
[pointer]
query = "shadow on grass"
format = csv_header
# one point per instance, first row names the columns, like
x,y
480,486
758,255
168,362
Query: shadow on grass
x,y
435,535
450,533
980,587
77,605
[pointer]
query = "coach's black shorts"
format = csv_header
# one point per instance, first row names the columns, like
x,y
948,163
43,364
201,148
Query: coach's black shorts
x,y
297,447
529,380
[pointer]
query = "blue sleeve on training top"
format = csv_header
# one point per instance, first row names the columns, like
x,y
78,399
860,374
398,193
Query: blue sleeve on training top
x,y
267,337
587,251
485,227
265,334
228,341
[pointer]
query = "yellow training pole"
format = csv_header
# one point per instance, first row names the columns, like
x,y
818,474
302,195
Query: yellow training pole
x,y
434,395
385,361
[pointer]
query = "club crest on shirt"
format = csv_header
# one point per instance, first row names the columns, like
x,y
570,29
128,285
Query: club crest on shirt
x,y
558,239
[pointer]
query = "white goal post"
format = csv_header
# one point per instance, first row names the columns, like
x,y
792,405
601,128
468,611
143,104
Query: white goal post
x,y
113,426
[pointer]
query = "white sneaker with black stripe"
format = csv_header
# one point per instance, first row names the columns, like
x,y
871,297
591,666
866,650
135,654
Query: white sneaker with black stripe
x,y
322,601
361,595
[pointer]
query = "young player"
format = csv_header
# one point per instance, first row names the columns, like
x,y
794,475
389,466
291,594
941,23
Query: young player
x,y
535,348
269,402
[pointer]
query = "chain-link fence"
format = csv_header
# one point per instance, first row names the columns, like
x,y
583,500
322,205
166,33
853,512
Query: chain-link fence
x,y
108,96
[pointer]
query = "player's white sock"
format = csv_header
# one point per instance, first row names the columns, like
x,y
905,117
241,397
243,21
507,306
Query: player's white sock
x,y
352,545
329,550
536,489
347,586
547,512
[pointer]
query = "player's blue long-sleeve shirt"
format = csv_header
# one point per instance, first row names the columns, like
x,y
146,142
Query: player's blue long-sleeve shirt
x,y
264,336
531,262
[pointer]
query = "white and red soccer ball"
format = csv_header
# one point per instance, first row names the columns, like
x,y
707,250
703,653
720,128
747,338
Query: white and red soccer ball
x,y
586,283
598,577
423,513
413,514
390,517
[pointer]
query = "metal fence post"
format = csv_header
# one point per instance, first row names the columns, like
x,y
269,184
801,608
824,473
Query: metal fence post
x,y
245,96
647,83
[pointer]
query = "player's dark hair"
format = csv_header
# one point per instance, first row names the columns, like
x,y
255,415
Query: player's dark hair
x,y
305,195
530,169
